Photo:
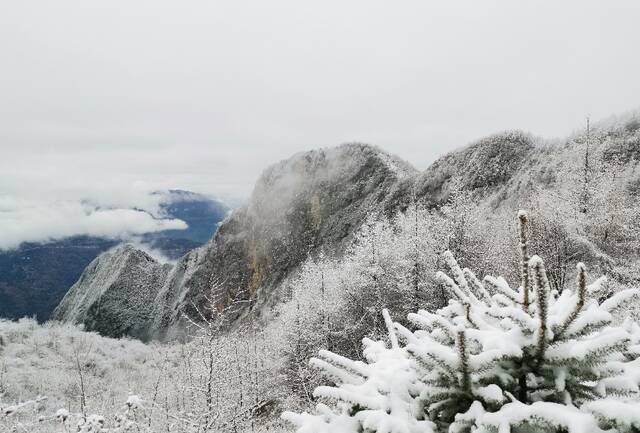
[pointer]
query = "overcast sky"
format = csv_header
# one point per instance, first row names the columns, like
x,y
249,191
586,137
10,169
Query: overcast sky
x,y
106,100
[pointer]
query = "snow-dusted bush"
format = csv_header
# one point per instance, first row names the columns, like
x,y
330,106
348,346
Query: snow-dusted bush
x,y
495,359
58,378
56,375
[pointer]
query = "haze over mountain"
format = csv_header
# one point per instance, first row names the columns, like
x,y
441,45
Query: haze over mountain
x,y
330,239
291,216
89,113
313,202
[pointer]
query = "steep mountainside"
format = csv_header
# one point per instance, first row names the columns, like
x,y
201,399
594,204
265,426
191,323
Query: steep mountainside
x,y
114,292
35,277
504,166
312,201
485,165
315,201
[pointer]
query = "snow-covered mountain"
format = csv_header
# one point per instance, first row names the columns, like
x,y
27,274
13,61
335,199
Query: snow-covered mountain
x,y
114,292
316,201
313,201
35,276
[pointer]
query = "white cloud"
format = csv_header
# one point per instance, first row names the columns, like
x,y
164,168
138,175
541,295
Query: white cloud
x,y
22,221
155,253
107,102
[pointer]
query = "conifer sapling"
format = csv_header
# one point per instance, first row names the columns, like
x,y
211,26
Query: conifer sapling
x,y
495,359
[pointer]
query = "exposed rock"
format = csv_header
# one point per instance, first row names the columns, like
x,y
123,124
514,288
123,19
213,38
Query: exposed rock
x,y
314,200
114,294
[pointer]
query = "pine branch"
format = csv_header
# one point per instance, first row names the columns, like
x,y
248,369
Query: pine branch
x,y
464,360
524,259
500,286
582,294
542,297
455,290
354,367
477,286
390,329
458,275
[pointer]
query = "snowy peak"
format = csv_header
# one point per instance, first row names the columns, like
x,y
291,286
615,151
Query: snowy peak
x,y
310,202
333,160
112,292
313,201
483,166
326,176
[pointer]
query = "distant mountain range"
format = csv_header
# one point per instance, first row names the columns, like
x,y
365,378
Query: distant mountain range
x,y
36,276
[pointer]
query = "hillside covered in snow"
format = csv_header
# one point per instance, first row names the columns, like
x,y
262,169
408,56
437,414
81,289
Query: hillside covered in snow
x,y
350,295
311,202
316,201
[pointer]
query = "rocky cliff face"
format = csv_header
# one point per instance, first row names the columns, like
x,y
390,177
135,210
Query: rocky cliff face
x,y
314,200
114,293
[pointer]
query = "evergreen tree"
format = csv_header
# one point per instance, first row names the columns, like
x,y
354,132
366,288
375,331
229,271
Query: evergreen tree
x,y
495,359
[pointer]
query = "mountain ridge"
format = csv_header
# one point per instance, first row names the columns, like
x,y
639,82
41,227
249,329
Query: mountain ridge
x,y
315,201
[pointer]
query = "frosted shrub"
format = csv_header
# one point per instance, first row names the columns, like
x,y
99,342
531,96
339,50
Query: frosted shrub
x,y
226,383
131,418
495,359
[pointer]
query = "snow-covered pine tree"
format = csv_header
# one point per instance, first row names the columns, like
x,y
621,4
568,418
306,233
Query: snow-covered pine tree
x,y
494,359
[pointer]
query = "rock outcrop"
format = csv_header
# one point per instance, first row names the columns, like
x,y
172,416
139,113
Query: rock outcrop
x,y
313,201
115,292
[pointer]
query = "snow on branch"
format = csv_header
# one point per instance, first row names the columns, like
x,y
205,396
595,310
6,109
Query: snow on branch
x,y
493,360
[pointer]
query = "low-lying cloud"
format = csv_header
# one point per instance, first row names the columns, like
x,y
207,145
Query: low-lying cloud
x,y
93,114
30,221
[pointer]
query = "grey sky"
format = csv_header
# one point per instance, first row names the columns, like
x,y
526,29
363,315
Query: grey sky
x,y
105,100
